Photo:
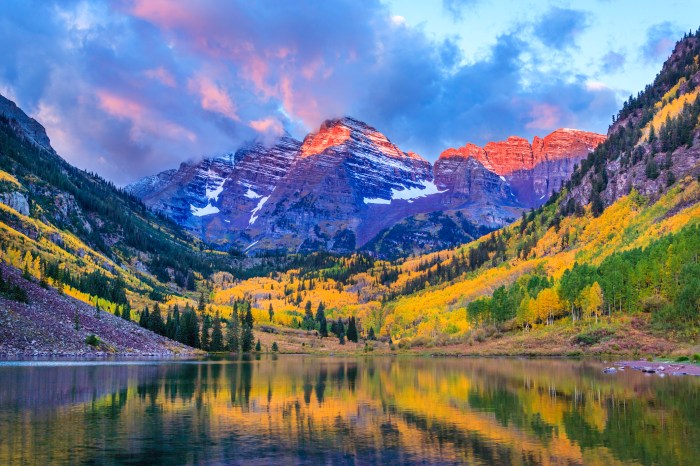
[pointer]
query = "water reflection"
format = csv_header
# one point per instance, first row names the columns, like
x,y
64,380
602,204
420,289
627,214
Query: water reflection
x,y
294,409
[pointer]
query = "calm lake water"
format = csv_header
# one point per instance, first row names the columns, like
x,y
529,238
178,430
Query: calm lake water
x,y
335,410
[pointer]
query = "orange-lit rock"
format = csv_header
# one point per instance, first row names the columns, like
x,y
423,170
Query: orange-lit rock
x,y
534,170
329,135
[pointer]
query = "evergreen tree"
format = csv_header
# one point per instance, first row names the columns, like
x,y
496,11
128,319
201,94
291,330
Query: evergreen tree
x,y
271,312
308,323
206,326
352,330
116,311
97,309
155,321
652,169
322,322
370,335
200,305
258,347
191,286
247,338
217,337
143,318
275,348
126,312
340,331
76,319
188,332
233,331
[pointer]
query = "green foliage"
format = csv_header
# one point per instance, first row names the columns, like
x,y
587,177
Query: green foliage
x,y
93,340
275,348
591,337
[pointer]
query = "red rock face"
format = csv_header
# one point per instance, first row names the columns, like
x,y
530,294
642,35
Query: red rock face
x,y
534,170
565,144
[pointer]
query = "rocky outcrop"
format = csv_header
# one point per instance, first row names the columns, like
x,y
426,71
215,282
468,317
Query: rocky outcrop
x,y
16,200
28,127
532,171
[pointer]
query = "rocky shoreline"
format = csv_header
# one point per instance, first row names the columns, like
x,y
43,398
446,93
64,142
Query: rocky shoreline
x,y
660,368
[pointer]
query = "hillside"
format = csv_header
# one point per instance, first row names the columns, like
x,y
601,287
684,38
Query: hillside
x,y
73,231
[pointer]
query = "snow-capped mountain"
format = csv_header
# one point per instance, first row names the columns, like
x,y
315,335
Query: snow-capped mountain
x,y
347,183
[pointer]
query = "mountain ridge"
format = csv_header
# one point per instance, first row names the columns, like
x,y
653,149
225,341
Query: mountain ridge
x,y
382,186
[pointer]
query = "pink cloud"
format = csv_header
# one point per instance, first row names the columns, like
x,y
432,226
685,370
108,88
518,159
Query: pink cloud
x,y
161,75
213,97
544,116
143,120
269,125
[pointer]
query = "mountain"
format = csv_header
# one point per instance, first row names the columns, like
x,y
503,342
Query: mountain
x,y
610,264
348,187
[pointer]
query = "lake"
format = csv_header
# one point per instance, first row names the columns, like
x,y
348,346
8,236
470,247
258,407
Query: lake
x,y
343,410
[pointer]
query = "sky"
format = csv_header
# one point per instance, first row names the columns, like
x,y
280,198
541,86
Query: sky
x,y
128,88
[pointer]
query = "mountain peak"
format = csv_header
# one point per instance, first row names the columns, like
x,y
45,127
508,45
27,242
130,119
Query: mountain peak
x,y
343,131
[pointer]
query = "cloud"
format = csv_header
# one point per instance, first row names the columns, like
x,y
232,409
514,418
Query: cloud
x,y
613,62
455,8
132,87
559,27
660,40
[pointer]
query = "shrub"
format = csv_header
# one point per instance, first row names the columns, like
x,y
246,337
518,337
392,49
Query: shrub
x,y
93,340
275,348
696,357
591,338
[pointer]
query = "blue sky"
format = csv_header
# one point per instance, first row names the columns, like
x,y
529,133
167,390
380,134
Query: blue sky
x,y
127,88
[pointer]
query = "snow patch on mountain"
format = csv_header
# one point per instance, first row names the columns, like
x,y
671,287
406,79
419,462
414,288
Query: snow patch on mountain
x,y
250,194
428,188
254,212
202,211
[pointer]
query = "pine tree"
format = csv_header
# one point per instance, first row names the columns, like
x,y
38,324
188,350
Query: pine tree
x,y
271,312
308,317
352,330
116,311
143,318
233,331
322,322
200,305
206,326
275,348
258,347
76,319
126,312
247,337
217,337
155,321
340,331
97,309
370,335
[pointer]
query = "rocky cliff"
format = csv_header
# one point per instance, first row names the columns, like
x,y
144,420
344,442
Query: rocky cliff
x,y
532,171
